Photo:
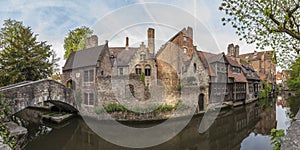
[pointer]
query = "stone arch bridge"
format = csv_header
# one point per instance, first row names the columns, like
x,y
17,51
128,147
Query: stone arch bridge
x,y
37,94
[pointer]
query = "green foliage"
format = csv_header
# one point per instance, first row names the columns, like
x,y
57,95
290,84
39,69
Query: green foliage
x,y
143,77
294,72
265,91
179,86
151,108
99,110
244,61
294,104
76,40
22,57
266,23
277,138
4,133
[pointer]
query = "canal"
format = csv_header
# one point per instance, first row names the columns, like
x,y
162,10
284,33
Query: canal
x,y
245,127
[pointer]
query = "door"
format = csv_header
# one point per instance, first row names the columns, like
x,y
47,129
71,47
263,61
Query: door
x,y
201,102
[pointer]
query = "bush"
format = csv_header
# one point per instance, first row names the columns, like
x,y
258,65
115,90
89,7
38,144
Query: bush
x,y
99,109
277,138
4,133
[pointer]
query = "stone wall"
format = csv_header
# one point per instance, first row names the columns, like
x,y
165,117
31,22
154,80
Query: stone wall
x,y
36,93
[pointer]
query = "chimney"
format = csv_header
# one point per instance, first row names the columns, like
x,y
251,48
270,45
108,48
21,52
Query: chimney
x,y
151,40
237,51
92,41
127,43
189,32
230,50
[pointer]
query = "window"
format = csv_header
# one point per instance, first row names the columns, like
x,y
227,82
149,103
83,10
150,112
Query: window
x,y
143,56
89,99
195,68
138,70
184,38
120,71
184,50
102,73
88,76
148,70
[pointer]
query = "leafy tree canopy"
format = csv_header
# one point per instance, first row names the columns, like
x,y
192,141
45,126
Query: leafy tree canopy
x,y
272,23
22,57
76,40
294,71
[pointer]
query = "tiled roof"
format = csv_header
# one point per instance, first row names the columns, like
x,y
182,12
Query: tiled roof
x,y
124,57
203,57
232,62
257,55
83,58
246,69
238,77
263,76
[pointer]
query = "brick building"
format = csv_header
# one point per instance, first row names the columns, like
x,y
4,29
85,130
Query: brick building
x,y
264,65
181,70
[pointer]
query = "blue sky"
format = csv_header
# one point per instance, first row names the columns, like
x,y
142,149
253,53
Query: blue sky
x,y
114,19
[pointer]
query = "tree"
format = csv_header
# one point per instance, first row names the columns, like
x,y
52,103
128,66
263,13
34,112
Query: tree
x,y
22,57
76,40
272,23
294,71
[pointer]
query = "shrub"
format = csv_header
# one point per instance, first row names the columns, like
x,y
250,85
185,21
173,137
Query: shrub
x,y
277,138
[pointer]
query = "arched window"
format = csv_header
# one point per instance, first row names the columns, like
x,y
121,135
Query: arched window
x,y
148,70
138,69
142,56
195,68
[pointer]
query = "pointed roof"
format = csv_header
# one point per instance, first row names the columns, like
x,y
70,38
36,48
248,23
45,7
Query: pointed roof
x,y
84,58
238,77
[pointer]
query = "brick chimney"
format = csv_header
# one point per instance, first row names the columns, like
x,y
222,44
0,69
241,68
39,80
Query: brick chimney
x,y
151,40
237,51
230,50
92,41
189,32
127,43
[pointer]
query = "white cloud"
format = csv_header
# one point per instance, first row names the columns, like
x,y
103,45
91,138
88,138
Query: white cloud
x,y
53,19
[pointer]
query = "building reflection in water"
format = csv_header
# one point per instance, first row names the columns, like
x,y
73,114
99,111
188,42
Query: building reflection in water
x,y
227,133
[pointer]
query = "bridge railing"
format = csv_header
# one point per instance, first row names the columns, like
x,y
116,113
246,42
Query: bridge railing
x,y
35,93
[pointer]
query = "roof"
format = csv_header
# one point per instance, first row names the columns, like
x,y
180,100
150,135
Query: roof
x,y
183,31
257,55
248,68
263,76
124,57
238,77
203,57
232,62
83,58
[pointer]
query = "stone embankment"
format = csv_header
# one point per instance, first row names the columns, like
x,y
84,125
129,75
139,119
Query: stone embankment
x,y
292,138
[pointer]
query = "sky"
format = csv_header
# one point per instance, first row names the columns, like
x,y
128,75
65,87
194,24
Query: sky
x,y
113,20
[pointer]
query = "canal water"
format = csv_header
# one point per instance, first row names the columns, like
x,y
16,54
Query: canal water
x,y
244,127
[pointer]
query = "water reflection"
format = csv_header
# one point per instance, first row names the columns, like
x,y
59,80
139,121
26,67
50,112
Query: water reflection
x,y
237,128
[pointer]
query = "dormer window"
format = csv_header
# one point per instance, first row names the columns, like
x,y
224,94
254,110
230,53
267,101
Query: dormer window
x,y
184,50
143,56
184,38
